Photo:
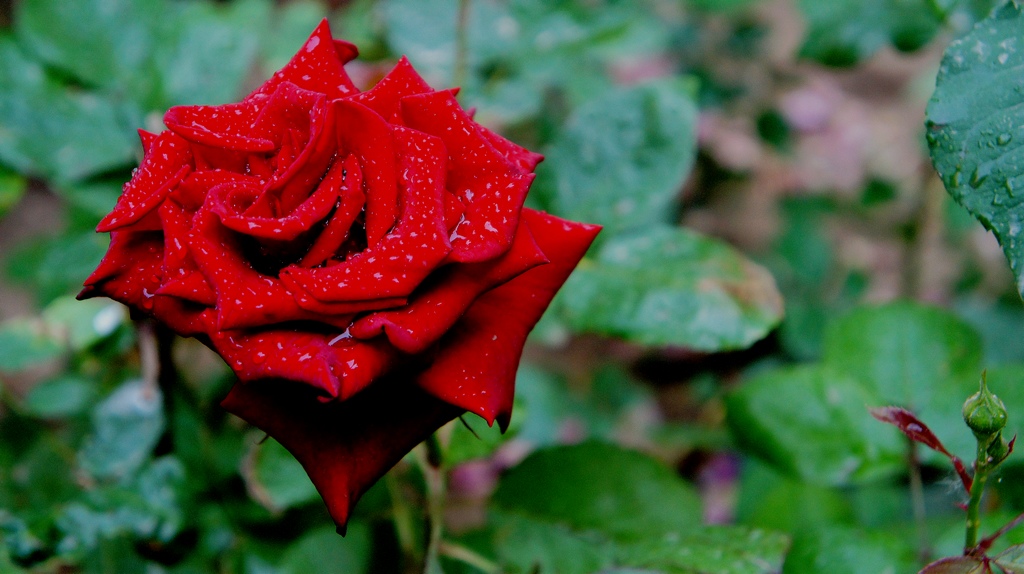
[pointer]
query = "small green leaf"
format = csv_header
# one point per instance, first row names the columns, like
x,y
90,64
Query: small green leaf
x,y
671,286
322,550
1012,560
84,322
957,565
526,545
840,550
621,159
147,507
61,397
812,422
12,188
25,343
844,32
126,427
276,479
975,136
598,486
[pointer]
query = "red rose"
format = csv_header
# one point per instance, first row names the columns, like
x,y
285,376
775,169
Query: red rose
x,y
361,260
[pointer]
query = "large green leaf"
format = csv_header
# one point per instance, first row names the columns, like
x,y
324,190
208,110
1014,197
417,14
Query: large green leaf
x,y
26,342
322,550
621,159
604,507
672,286
840,550
843,32
598,486
51,130
976,127
812,422
911,355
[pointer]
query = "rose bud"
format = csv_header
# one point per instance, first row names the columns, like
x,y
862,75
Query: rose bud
x,y
361,260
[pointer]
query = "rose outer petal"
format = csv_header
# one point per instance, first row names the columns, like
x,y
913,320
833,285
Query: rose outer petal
x,y
396,265
385,97
344,447
167,162
336,364
491,187
439,305
477,360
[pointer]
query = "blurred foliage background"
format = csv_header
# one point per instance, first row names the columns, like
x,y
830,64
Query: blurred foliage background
x,y
778,254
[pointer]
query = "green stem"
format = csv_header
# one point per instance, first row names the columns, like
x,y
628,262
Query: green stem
x,y
403,518
432,462
977,490
461,43
467,556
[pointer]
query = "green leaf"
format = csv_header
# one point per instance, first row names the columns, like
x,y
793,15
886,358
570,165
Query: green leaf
x,y
672,286
975,135
276,479
323,550
54,131
525,545
956,565
1012,559
711,550
25,343
773,501
147,507
83,323
12,188
907,353
812,422
843,32
210,50
60,397
126,427
621,159
839,550
103,44
598,486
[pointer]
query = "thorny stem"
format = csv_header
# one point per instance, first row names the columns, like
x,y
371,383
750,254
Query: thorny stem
x,y
981,470
461,43
432,462
404,529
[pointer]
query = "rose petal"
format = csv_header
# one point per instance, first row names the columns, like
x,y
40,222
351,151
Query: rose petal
x,y
364,133
396,265
182,278
245,297
345,447
226,126
477,360
384,98
319,66
315,209
131,271
437,307
523,158
168,162
491,188
336,364
337,231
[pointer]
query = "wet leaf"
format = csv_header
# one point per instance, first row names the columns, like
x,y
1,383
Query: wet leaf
x,y
975,136
672,286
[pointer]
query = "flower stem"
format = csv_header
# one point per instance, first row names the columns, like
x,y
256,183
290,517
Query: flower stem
x,y
403,518
981,470
467,556
461,44
432,462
